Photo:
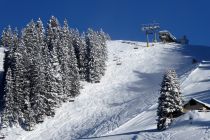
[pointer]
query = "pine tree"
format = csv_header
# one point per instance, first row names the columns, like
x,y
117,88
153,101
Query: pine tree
x,y
103,51
6,42
7,114
20,88
169,101
42,70
7,38
32,85
80,49
39,101
69,67
54,75
93,50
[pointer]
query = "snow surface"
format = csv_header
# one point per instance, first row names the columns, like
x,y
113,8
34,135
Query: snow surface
x,y
123,105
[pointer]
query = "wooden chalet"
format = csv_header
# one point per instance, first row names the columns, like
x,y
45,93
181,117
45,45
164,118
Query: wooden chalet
x,y
194,104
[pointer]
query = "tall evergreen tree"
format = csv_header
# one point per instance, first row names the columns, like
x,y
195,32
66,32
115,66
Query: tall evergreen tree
x,y
30,40
34,42
39,100
42,70
20,88
170,101
93,49
54,75
102,38
70,70
6,42
7,114
80,49
7,38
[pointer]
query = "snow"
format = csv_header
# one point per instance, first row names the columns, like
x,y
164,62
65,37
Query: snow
x,y
123,105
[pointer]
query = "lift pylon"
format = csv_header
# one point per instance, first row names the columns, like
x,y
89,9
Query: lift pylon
x,y
150,29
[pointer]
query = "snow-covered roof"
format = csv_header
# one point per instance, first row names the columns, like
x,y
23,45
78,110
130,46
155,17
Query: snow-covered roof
x,y
167,32
205,104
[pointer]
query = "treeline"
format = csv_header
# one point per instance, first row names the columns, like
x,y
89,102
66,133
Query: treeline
x,y
43,68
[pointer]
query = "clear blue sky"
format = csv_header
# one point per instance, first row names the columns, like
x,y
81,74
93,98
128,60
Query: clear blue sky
x,y
122,19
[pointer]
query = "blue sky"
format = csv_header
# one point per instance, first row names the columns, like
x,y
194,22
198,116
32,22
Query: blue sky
x,y
122,19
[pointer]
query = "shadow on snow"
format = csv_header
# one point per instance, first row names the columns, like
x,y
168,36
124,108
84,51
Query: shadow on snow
x,y
127,133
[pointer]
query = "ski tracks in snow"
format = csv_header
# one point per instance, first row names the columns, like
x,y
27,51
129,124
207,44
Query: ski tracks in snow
x,y
125,91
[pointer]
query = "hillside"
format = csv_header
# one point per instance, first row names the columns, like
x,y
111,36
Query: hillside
x,y
123,104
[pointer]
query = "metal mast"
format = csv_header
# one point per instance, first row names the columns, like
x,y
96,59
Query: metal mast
x,y
150,29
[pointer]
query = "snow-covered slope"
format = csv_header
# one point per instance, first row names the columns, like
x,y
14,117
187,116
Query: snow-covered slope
x,y
195,83
123,104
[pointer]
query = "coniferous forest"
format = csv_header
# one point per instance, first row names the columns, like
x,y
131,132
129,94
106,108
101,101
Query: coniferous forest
x,y
43,67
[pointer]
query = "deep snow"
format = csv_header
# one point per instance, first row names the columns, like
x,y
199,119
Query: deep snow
x,y
123,105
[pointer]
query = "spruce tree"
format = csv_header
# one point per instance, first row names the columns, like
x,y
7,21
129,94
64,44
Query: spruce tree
x,y
20,87
39,100
7,118
6,42
53,75
70,70
32,92
7,38
42,70
102,51
170,101
80,49
93,49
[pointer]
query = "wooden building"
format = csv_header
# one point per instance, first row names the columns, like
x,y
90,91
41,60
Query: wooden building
x,y
194,104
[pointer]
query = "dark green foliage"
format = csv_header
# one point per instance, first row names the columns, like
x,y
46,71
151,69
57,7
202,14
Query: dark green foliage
x,y
169,102
43,69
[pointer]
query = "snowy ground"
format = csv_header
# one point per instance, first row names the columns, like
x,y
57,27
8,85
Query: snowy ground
x,y
123,104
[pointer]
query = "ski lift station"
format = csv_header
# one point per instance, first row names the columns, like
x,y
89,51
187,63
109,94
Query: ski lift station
x,y
165,36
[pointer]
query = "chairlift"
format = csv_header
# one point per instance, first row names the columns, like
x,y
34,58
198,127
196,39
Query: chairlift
x,y
118,62
2,136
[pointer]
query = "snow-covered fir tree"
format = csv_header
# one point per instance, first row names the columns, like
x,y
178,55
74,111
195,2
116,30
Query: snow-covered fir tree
x,y
169,102
103,50
7,37
7,42
80,49
30,74
40,100
33,42
7,118
43,69
20,87
54,75
94,59
69,64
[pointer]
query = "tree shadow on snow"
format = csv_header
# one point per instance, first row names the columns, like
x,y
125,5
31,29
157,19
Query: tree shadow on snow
x,y
197,52
203,96
122,134
146,81
193,123
206,80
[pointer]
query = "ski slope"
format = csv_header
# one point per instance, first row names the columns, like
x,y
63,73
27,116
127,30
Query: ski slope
x,y
123,105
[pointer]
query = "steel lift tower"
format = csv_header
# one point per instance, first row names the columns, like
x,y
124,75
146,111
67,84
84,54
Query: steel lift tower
x,y
150,29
